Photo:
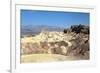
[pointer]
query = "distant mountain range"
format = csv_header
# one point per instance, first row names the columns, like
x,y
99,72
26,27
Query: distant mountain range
x,y
36,29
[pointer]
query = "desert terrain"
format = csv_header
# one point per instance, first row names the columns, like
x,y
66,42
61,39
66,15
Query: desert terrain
x,y
49,46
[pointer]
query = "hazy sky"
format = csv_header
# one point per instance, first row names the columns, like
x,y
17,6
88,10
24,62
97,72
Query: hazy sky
x,y
53,18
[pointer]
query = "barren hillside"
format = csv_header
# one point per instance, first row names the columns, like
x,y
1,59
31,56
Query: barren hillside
x,y
70,44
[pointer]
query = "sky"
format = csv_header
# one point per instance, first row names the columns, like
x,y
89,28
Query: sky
x,y
53,18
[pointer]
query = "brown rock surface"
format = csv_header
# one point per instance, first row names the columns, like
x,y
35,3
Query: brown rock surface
x,y
71,42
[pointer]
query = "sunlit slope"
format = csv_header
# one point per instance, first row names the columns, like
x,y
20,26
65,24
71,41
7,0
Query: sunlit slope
x,y
56,46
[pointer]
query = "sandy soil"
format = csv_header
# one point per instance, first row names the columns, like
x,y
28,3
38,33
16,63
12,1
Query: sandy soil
x,y
46,58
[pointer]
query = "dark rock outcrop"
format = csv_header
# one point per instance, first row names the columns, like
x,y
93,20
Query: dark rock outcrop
x,y
78,29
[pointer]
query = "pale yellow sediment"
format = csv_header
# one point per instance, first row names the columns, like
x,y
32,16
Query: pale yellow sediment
x,y
46,58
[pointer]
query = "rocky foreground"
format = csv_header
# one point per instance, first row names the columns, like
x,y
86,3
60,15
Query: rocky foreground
x,y
72,42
